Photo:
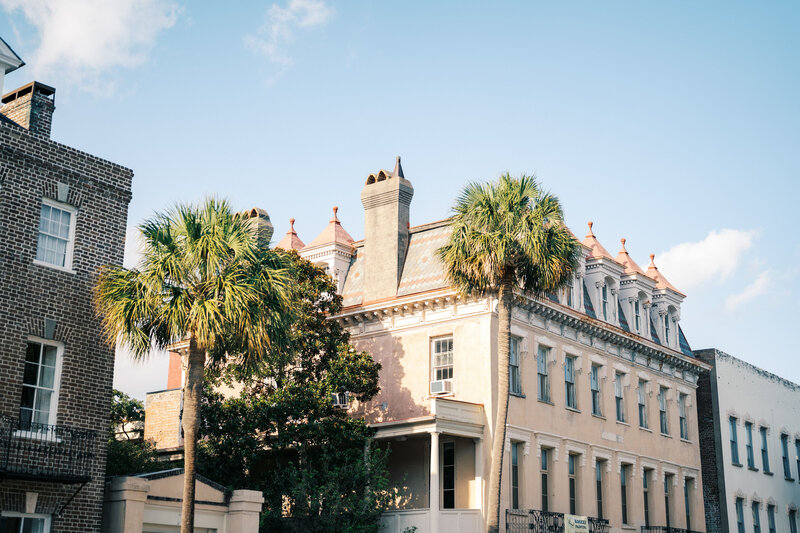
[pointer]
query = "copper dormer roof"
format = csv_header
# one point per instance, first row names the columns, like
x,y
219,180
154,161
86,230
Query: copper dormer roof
x,y
625,260
596,249
290,241
333,233
658,277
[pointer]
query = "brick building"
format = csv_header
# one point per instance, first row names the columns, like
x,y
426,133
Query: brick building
x,y
62,216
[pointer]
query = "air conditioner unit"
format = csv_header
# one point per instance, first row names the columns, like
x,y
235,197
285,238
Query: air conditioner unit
x,y
340,399
443,386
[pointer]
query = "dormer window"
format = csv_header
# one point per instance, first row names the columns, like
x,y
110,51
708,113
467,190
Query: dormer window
x,y
605,302
666,329
638,315
569,292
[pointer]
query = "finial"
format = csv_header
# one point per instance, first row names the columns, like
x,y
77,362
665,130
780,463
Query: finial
x,y
291,225
335,211
622,240
398,169
652,262
590,229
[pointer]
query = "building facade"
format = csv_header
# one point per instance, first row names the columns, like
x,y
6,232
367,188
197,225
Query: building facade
x,y
62,216
602,416
750,446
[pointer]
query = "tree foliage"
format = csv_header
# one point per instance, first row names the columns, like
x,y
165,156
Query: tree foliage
x,y
318,467
128,453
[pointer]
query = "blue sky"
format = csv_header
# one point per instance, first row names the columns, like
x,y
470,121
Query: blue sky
x,y
675,125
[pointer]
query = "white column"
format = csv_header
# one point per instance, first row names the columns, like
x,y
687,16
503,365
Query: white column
x,y
477,502
433,498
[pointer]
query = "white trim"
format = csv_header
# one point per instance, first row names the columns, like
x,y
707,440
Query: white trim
x,y
59,346
68,256
13,514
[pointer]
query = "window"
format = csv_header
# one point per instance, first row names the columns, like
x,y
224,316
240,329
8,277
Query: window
x,y
598,468
605,303
756,518
682,417
638,315
764,450
569,382
787,469
24,523
569,292
740,514
797,451
667,509
545,487
39,386
618,398
623,485
642,404
687,501
544,380
748,434
514,381
666,329
792,520
594,383
771,518
573,484
448,475
515,475
734,441
662,410
56,234
443,358
646,495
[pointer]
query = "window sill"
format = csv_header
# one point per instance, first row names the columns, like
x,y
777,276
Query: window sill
x,y
601,417
645,429
767,472
789,479
739,465
516,394
572,409
687,441
620,422
754,469
54,267
626,526
546,402
666,435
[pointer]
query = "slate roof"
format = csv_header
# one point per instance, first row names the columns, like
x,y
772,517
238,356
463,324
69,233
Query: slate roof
x,y
353,288
684,344
423,271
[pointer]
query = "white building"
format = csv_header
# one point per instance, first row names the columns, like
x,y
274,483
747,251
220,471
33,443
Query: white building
x,y
750,446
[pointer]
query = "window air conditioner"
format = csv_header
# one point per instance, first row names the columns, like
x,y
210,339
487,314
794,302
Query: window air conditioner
x,y
443,386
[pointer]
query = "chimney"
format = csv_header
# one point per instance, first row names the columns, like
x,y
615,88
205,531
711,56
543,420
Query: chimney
x,y
386,198
31,106
262,225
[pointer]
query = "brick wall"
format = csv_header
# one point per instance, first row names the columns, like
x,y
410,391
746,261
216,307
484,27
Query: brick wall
x,y
33,298
713,486
162,421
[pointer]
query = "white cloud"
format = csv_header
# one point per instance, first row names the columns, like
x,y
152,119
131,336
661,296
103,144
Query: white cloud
x,y
755,289
716,257
82,39
281,23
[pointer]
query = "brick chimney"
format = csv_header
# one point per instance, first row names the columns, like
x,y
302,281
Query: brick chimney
x,y
31,106
386,198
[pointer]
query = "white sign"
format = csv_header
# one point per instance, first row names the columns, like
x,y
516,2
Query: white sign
x,y
575,524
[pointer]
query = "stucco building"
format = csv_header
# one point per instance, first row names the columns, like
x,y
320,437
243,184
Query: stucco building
x,y
62,215
750,445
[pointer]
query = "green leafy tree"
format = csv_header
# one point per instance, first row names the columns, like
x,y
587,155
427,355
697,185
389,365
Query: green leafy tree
x,y
318,467
204,278
128,452
506,236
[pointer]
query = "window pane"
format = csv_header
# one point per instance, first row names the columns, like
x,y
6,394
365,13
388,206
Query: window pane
x,y
47,376
32,352
49,356
43,400
28,394
33,525
30,377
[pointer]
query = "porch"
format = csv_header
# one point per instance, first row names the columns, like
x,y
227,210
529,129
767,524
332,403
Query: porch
x,y
438,460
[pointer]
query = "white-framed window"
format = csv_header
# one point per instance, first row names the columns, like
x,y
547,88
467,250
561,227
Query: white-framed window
x,y
514,376
619,399
605,302
637,313
11,522
684,425
568,290
667,337
442,352
594,384
662,410
56,234
40,383
569,383
642,404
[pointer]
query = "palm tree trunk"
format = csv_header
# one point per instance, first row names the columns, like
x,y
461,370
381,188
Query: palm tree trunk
x,y
505,296
192,395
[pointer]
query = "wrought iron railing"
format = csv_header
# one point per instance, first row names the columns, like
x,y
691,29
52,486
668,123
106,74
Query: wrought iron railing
x,y
666,529
44,452
519,520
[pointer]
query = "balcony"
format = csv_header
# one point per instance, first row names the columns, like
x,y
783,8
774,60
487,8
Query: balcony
x,y
45,453
666,529
519,520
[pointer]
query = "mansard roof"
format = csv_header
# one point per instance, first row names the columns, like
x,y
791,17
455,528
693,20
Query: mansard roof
x,y
334,233
290,241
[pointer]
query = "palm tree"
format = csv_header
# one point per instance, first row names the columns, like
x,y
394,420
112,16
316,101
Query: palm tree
x,y
507,235
204,278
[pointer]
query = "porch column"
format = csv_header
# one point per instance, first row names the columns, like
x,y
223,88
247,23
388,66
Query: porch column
x,y
477,502
433,498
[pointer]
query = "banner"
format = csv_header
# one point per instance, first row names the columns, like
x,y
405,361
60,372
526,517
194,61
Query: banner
x,y
575,524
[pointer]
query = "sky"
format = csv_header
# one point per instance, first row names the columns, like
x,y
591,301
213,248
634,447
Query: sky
x,y
675,125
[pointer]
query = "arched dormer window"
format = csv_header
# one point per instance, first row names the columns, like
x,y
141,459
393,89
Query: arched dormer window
x,y
639,312
604,303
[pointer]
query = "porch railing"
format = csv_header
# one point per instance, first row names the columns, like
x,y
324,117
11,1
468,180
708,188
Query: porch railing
x,y
666,529
45,452
519,520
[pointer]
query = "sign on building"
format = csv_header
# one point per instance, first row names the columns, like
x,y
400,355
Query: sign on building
x,y
575,524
